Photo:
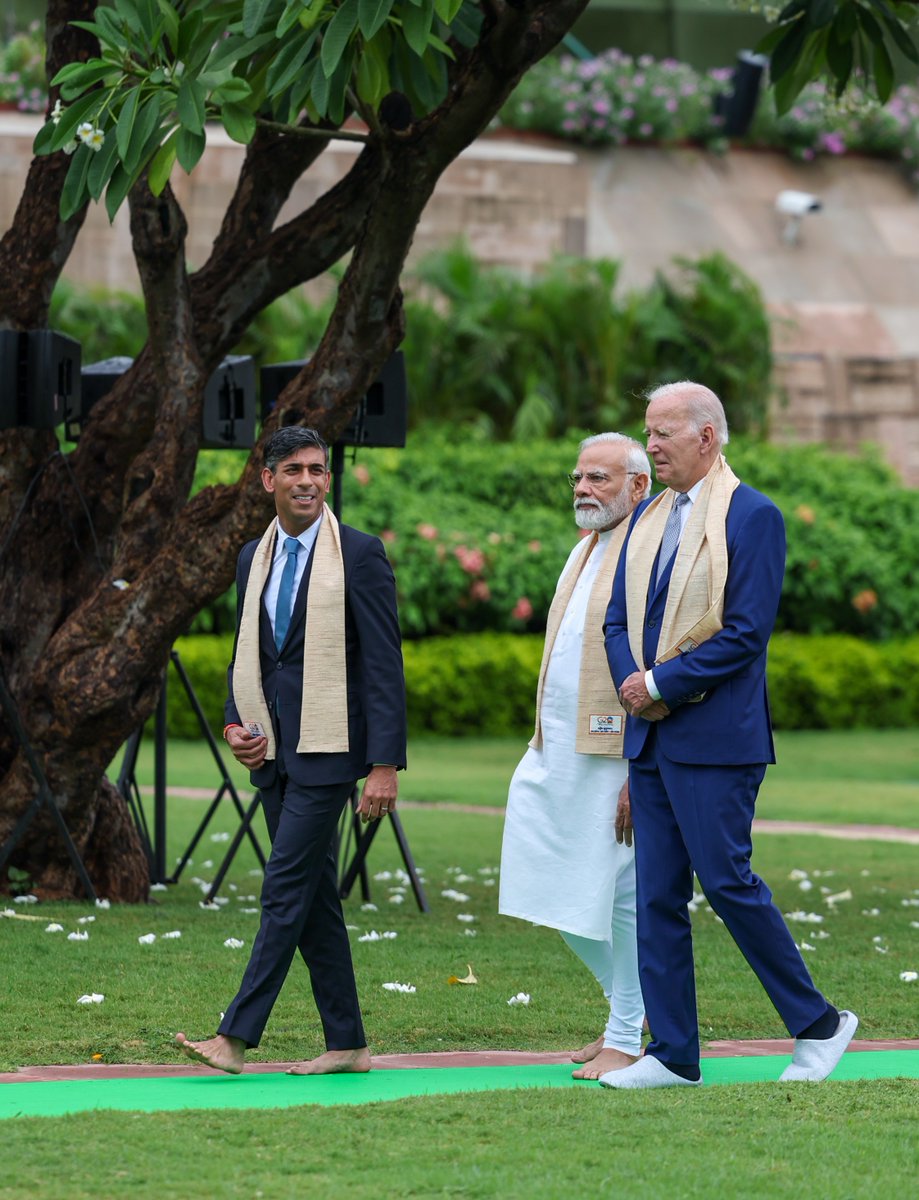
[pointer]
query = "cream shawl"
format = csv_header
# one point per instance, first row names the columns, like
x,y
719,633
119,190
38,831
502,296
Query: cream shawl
x,y
323,716
601,722
695,599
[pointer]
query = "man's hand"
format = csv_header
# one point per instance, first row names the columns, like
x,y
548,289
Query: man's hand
x,y
246,749
379,795
636,699
656,711
624,816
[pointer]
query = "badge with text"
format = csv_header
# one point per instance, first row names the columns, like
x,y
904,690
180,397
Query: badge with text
x,y
605,723
255,729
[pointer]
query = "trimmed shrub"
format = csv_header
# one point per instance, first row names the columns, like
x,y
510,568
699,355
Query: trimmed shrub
x,y
485,684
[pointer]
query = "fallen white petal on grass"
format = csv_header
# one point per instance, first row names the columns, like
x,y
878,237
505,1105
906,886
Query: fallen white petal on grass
x,y
878,938
914,924
81,936
248,910
489,882
85,920
220,837
369,906
154,887
397,899
471,932
520,998
234,944
464,879
382,876
407,988
806,918
881,949
208,864
467,917
246,899
806,946
373,936
871,912
102,903
209,905
91,998
865,873
27,899
147,939
906,903
797,874
838,897
256,873
173,933
54,928
352,928
805,885
821,933
909,976
8,912
452,894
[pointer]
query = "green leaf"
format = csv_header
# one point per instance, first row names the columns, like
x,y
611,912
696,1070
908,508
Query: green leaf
x,y
74,115
289,18
239,49
189,148
883,73
118,188
416,26
372,83
161,164
233,91
319,92
145,127
239,123
128,14
43,139
904,42
125,126
111,26
871,27
288,62
74,193
171,21
338,87
254,13
79,70
840,55
372,15
447,9
103,164
189,30
76,87
820,13
337,35
435,43
787,53
190,104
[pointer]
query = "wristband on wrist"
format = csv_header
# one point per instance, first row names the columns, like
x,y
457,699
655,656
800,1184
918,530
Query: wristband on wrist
x,y
232,725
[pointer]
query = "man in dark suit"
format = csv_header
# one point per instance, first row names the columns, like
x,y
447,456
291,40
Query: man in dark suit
x,y
316,702
693,605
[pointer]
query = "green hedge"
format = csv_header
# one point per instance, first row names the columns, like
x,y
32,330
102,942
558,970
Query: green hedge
x,y
485,684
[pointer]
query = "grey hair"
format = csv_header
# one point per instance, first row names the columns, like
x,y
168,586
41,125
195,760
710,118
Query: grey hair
x,y
702,405
636,460
287,441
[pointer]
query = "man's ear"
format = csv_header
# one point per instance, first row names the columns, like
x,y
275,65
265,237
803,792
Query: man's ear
x,y
267,480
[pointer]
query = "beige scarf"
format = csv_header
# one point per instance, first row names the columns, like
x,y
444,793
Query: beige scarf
x,y
601,721
695,599
324,709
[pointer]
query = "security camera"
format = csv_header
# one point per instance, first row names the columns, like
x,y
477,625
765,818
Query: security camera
x,y
795,205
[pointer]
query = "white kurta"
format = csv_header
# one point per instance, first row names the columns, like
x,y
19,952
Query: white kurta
x,y
560,861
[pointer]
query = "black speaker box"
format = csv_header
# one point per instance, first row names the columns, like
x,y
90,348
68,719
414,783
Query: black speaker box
x,y
39,377
229,406
96,380
381,418
739,108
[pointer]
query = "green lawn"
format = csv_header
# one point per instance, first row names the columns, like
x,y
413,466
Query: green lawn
x,y
841,1141
858,776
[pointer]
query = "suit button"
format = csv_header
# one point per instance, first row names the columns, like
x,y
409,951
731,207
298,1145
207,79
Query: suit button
x,y
280,666
651,624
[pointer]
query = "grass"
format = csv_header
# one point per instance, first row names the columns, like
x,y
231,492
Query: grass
x,y
838,777
841,1141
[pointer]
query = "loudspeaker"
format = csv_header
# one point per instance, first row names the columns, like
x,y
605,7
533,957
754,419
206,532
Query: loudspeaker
x,y
381,418
229,406
228,418
739,108
40,376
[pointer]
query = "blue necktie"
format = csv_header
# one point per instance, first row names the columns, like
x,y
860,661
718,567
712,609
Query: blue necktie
x,y
671,538
286,592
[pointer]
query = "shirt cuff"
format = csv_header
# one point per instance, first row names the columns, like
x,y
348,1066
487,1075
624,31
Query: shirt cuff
x,y
651,686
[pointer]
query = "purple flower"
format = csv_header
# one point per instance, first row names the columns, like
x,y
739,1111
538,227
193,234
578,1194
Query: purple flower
x,y
645,129
832,143
603,107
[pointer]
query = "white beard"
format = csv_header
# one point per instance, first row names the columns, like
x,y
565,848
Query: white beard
x,y
598,516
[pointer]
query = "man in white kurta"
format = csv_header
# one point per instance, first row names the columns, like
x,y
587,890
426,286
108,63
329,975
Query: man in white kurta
x,y
567,860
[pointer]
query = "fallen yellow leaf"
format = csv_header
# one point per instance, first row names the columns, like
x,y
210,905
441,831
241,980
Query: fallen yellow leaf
x,y
470,978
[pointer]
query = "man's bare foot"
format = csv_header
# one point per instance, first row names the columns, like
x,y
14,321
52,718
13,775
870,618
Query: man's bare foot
x,y
589,1052
607,1059
334,1062
221,1052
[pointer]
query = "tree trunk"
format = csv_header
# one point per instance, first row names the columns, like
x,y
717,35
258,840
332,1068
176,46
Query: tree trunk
x,y
84,654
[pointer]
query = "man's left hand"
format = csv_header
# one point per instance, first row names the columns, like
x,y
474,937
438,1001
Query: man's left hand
x,y
634,695
624,816
379,795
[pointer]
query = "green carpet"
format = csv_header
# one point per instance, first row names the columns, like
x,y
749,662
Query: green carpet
x,y
204,1090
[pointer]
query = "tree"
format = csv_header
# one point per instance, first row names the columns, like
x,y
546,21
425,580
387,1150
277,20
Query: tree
x,y
82,653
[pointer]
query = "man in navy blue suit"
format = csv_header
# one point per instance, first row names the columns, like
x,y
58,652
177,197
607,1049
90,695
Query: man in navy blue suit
x,y
316,701
693,605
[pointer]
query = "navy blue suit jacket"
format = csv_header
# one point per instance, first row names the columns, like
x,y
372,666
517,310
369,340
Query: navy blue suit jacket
x,y
731,724
373,663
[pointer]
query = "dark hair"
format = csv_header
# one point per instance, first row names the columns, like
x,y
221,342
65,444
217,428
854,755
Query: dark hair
x,y
288,441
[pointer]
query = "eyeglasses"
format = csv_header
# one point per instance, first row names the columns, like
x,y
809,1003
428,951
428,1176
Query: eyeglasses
x,y
594,478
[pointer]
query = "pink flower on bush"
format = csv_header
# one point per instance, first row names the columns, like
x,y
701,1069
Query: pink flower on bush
x,y
428,532
361,474
388,535
535,546
833,143
480,590
494,538
522,610
865,600
472,561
